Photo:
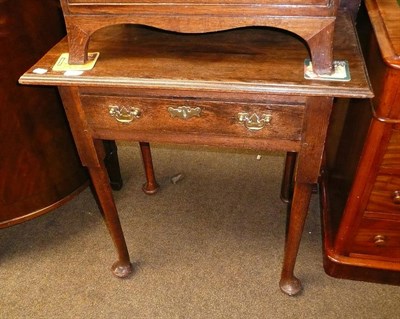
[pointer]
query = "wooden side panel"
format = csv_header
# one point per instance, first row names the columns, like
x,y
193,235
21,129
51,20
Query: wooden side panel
x,y
39,166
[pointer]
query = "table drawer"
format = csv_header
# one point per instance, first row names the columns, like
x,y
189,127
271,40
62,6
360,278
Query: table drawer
x,y
385,195
379,238
194,116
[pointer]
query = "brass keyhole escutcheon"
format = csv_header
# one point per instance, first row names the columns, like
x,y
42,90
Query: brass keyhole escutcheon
x,y
184,112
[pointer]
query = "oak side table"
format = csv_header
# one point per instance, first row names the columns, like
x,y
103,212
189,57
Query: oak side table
x,y
239,89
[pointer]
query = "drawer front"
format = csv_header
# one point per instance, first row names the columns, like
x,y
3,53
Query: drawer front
x,y
385,195
391,158
193,117
378,238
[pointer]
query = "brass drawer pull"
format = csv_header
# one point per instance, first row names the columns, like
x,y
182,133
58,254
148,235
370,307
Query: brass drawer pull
x,y
254,122
379,240
396,197
184,112
123,114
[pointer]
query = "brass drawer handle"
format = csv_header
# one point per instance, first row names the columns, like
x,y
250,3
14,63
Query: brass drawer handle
x,y
254,122
123,114
184,112
379,240
396,197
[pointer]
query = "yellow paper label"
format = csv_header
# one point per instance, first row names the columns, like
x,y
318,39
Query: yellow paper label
x,y
63,65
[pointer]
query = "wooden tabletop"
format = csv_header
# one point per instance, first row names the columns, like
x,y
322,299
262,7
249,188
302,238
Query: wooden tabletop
x,y
259,60
385,19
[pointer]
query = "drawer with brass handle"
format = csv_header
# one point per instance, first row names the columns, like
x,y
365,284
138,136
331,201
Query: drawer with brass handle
x,y
385,195
202,118
379,238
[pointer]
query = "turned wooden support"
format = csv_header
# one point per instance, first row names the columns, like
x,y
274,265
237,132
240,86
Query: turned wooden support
x,y
287,179
112,164
151,186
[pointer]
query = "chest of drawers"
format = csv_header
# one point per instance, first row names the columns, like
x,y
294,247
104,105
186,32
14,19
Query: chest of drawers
x,y
312,20
239,89
363,233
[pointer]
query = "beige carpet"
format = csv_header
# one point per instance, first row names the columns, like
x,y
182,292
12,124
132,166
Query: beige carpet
x,y
209,246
